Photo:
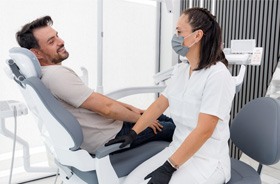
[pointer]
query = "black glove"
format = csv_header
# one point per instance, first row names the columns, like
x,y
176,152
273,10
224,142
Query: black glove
x,y
161,175
124,139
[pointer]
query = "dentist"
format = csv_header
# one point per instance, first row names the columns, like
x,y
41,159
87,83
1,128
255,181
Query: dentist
x,y
199,97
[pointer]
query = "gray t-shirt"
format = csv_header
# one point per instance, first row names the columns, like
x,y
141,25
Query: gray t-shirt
x,y
69,89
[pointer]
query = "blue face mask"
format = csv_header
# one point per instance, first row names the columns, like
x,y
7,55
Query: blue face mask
x,y
177,45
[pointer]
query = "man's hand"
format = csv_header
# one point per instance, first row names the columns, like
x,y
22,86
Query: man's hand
x,y
161,175
125,139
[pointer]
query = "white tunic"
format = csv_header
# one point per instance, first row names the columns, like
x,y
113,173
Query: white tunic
x,y
208,91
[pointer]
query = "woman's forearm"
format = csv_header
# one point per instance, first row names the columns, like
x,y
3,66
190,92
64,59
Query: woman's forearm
x,y
151,114
195,140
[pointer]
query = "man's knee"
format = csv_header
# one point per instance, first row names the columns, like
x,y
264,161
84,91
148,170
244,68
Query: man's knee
x,y
168,125
167,130
165,118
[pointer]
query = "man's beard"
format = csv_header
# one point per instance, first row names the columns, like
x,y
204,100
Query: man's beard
x,y
60,59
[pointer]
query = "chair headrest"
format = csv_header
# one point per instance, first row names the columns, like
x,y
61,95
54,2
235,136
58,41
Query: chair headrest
x,y
26,61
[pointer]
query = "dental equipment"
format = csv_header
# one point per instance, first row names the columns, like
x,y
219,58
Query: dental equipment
x,y
244,52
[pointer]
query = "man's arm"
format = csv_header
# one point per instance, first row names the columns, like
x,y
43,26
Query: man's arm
x,y
132,108
110,108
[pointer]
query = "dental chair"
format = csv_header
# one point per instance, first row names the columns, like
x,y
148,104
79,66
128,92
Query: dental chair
x,y
64,135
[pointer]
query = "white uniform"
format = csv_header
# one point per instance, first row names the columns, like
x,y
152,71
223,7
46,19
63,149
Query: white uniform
x,y
208,91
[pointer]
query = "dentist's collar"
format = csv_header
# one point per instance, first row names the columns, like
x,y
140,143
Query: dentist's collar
x,y
184,59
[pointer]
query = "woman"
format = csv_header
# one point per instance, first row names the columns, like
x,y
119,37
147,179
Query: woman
x,y
199,96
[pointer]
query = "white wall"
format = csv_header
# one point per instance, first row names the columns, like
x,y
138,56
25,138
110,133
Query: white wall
x,y
129,50
129,46
168,24
75,22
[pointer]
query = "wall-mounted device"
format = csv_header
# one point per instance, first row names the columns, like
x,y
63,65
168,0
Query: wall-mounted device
x,y
244,52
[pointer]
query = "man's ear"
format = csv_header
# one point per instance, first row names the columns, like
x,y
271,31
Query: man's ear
x,y
37,53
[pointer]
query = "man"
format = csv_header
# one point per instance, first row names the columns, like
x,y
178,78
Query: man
x,y
100,117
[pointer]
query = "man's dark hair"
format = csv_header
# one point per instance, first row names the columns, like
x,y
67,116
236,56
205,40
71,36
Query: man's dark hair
x,y
25,37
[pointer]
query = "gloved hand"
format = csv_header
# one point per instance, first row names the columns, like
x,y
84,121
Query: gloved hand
x,y
125,139
161,175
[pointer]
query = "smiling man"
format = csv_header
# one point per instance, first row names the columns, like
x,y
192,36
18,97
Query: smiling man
x,y
100,117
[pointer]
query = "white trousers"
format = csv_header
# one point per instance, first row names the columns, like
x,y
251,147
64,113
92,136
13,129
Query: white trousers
x,y
181,176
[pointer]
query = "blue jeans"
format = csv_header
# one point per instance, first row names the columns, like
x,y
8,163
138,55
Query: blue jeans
x,y
148,134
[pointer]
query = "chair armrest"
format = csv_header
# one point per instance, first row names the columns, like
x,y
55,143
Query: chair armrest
x,y
163,76
135,90
106,150
239,78
159,79
84,76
